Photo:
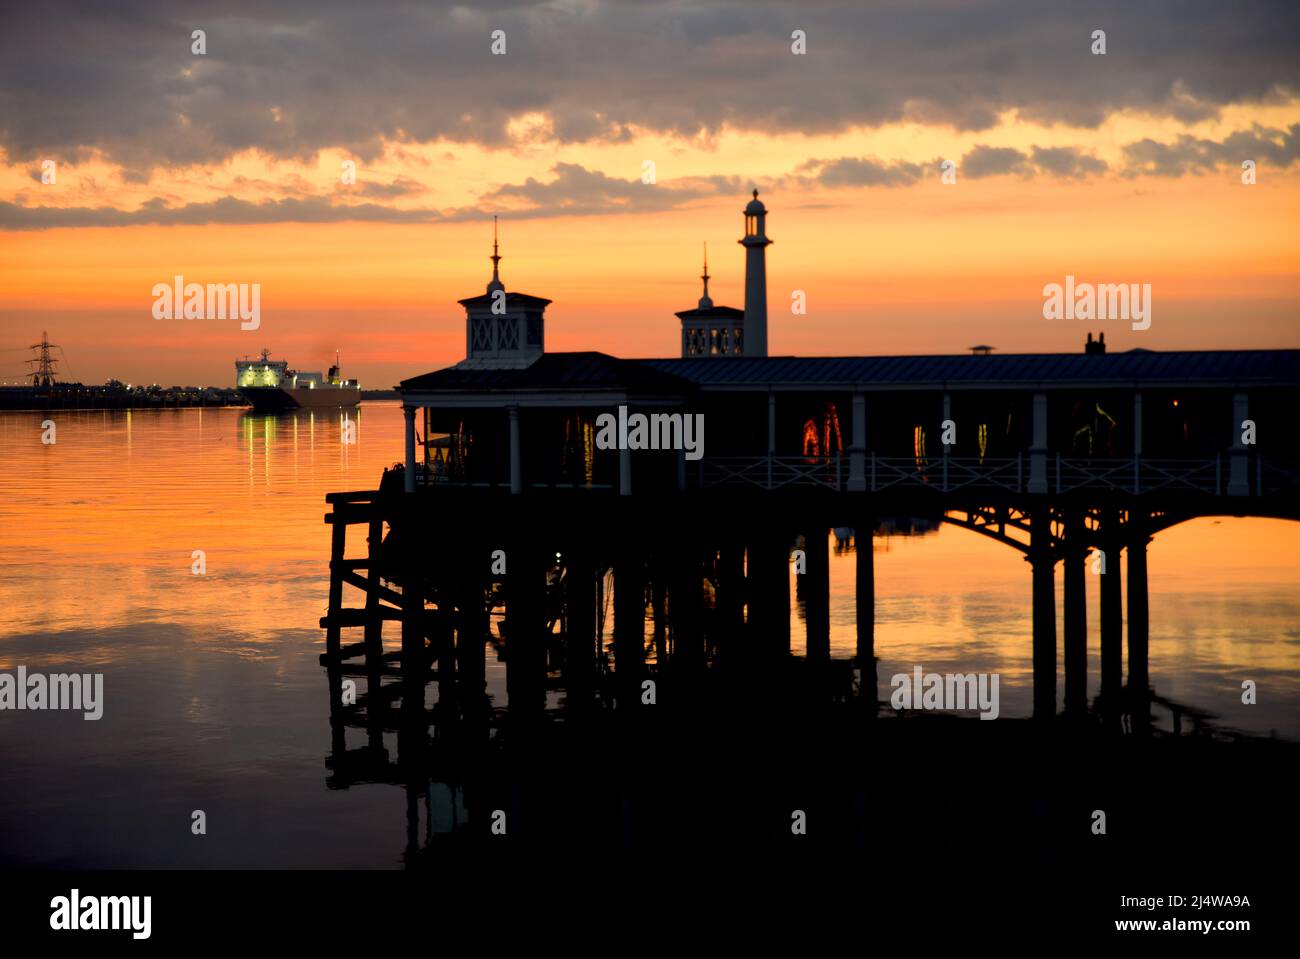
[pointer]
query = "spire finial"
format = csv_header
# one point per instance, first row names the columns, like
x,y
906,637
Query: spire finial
x,y
496,283
705,302
756,193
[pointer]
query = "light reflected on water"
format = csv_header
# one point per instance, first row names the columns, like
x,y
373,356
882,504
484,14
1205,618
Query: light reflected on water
x,y
215,698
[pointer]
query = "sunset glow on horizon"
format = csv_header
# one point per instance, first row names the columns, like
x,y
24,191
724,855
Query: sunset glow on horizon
x,y
890,259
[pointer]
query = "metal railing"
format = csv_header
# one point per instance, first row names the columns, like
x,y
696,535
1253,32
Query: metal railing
x,y
774,472
1058,474
1134,475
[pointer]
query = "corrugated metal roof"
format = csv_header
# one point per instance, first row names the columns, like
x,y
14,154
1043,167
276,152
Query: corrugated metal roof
x,y
591,371
1280,367
596,371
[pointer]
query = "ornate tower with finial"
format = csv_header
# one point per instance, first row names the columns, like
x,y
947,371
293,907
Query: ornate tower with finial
x,y
503,330
755,243
710,330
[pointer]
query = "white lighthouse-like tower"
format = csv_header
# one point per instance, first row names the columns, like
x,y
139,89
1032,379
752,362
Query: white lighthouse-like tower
x,y
755,243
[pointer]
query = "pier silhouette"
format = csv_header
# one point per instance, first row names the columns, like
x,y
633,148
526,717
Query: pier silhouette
x,y
638,591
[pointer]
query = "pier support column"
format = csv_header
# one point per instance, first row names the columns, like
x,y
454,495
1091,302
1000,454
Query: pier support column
x,y
778,587
409,479
1075,573
472,625
374,627
629,625
817,595
1038,451
686,607
1112,614
580,616
865,596
768,630
1238,475
731,596
526,634
516,452
1137,441
1139,683
1043,564
658,575
338,544
858,449
624,472
415,663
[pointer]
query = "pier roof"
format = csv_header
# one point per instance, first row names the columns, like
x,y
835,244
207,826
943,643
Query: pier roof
x,y
553,371
1009,370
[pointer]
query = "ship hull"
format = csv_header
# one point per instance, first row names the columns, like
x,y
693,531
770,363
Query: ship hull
x,y
274,399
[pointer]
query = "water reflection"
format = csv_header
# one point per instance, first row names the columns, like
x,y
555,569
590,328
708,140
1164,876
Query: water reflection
x,y
214,694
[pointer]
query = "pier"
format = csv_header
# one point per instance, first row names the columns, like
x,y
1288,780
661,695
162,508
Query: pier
x,y
612,575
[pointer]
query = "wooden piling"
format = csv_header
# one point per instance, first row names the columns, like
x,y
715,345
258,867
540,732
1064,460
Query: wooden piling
x,y
1042,561
1074,573
1112,614
817,595
865,600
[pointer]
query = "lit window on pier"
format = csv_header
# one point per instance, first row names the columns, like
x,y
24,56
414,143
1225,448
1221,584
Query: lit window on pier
x,y
821,441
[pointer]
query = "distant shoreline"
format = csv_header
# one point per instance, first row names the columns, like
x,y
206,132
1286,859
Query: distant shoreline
x,y
19,398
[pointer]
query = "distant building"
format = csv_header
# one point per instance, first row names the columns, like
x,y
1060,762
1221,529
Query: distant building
x,y
503,331
710,330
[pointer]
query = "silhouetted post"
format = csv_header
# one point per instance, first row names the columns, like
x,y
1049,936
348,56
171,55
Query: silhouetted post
x,y
731,595
408,478
817,594
624,472
629,625
516,453
1038,452
1074,569
471,635
443,649
525,639
1112,614
374,628
686,606
338,541
768,629
1042,562
580,642
779,573
1138,626
1238,475
338,713
858,449
659,606
865,593
414,663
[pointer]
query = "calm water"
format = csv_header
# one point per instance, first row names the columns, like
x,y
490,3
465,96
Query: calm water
x,y
215,699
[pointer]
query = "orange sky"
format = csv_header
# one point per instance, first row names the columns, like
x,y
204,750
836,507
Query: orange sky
x,y
922,267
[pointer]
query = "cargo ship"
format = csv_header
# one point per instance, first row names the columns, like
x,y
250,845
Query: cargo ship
x,y
274,388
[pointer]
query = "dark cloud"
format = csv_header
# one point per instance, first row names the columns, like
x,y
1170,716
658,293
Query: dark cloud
x,y
402,186
293,78
862,171
225,210
577,191
1067,162
574,191
984,161
1187,154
